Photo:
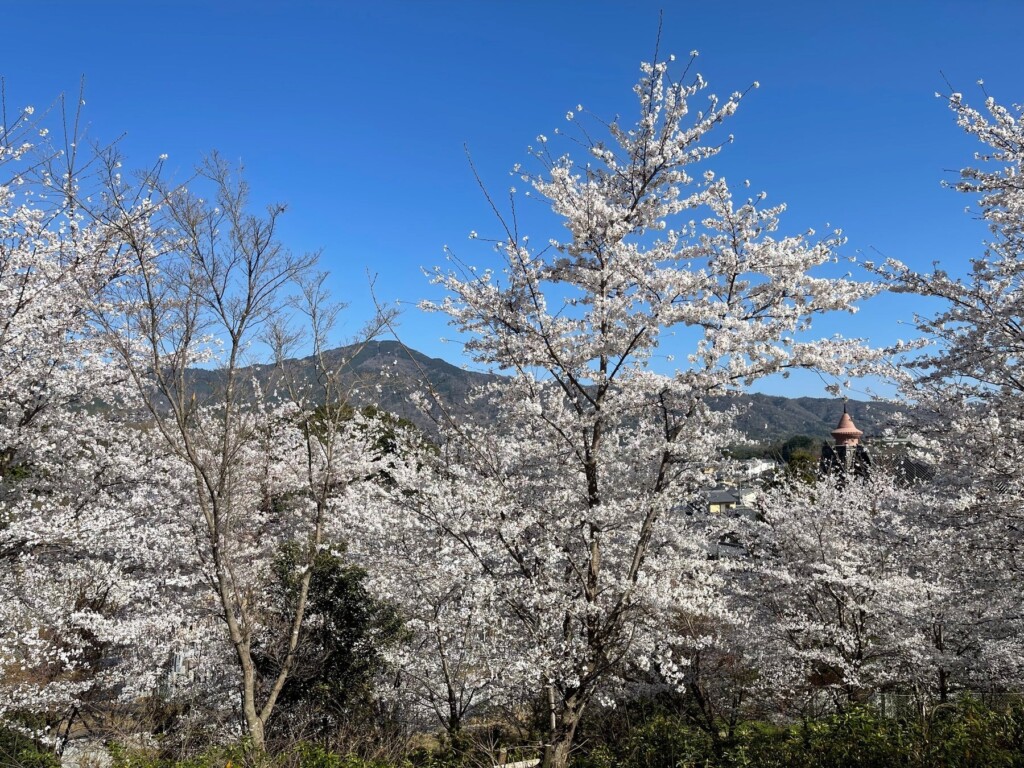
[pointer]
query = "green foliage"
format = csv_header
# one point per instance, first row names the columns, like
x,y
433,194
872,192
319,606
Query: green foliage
x,y
315,756
19,751
342,649
799,454
661,741
967,734
802,466
799,445
971,733
958,735
303,755
214,757
857,738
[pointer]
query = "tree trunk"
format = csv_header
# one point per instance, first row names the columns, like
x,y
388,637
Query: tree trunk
x,y
556,751
561,734
253,723
556,755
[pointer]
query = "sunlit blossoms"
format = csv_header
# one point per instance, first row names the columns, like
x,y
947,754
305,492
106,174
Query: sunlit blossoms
x,y
203,540
567,512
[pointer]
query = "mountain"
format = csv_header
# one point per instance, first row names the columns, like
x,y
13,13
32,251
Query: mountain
x,y
386,373
380,373
767,418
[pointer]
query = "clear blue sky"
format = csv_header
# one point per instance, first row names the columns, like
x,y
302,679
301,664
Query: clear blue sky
x,y
355,114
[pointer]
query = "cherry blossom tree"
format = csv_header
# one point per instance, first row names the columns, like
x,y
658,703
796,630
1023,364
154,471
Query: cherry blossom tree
x,y
148,485
970,379
567,508
211,286
968,394
841,594
88,559
450,667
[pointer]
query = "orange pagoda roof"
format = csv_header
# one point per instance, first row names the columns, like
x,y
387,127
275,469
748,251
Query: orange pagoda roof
x,y
846,433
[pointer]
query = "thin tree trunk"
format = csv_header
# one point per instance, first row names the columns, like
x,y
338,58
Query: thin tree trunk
x,y
562,731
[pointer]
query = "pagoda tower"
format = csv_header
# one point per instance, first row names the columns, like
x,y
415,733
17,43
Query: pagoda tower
x,y
847,456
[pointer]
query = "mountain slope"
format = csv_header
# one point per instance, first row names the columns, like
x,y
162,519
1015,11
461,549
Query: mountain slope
x,y
386,374
768,418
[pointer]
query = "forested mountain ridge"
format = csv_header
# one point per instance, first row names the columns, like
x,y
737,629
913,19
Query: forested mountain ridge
x,y
386,374
769,418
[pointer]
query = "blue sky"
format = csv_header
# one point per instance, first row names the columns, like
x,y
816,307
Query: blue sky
x,y
356,115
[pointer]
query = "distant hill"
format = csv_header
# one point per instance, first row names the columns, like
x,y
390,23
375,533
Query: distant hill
x,y
768,418
386,373
380,373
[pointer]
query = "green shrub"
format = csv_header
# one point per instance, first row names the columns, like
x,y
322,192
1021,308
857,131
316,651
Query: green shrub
x,y
303,755
967,734
971,733
307,755
213,757
19,751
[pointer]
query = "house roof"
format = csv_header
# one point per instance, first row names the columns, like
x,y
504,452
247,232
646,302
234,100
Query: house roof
x,y
722,496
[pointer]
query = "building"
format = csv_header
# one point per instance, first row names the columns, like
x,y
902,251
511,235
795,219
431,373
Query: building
x,y
847,456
